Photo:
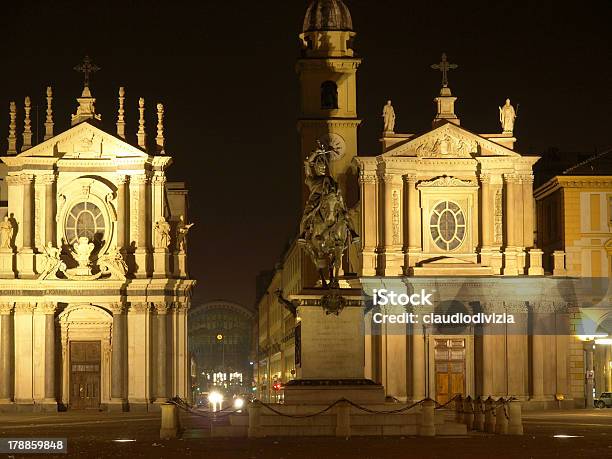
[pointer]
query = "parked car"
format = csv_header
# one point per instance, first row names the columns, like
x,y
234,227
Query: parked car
x,y
604,400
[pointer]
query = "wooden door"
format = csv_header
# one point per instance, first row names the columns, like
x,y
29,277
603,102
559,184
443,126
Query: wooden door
x,y
449,361
84,375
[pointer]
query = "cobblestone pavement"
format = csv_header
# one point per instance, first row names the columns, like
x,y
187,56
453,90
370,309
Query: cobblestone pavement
x,y
94,435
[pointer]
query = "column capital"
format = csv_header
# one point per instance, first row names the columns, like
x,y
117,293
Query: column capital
x,y
117,308
159,180
24,308
527,178
367,177
138,308
391,178
13,179
485,178
410,178
46,307
122,179
6,308
161,307
26,179
512,178
140,179
46,179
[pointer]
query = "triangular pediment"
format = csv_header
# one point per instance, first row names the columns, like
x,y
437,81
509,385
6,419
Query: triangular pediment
x,y
449,141
84,141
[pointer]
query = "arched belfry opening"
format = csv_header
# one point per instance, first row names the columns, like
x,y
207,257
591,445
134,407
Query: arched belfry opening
x,y
329,95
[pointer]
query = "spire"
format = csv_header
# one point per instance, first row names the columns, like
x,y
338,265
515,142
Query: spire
x,y
160,128
445,102
120,118
12,138
86,109
142,137
27,125
49,120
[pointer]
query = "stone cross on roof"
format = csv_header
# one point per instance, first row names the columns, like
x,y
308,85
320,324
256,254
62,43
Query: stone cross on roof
x,y
444,66
87,67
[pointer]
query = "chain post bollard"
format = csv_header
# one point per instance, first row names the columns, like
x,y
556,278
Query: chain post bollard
x,y
468,413
458,409
343,419
255,420
479,416
515,426
427,428
169,421
489,417
501,422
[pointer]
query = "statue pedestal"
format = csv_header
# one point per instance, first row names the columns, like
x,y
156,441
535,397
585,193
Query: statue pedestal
x,y
161,263
141,259
329,349
180,264
25,264
7,264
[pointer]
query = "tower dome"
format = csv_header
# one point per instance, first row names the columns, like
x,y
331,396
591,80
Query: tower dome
x,y
327,15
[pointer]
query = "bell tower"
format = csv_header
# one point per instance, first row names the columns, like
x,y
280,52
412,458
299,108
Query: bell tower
x,y
327,71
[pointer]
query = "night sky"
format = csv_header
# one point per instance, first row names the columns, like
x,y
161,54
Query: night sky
x,y
225,73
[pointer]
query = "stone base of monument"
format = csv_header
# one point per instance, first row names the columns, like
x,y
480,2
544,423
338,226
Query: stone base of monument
x,y
330,357
309,391
7,264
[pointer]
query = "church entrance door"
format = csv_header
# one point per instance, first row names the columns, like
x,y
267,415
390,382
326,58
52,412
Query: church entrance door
x,y
84,375
449,355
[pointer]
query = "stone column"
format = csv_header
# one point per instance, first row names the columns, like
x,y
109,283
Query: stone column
x,y
118,358
6,353
181,355
487,211
392,221
138,345
418,362
24,362
528,215
537,366
143,223
144,226
162,359
369,225
122,216
413,215
48,181
50,398
27,227
510,265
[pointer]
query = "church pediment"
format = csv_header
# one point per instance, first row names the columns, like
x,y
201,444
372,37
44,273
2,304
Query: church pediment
x,y
449,141
84,141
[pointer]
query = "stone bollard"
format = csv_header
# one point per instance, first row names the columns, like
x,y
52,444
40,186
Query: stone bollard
x,y
169,421
468,413
343,420
515,425
427,427
458,409
489,417
501,421
255,429
479,416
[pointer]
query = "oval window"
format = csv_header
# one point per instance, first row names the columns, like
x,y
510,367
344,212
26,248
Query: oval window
x,y
447,225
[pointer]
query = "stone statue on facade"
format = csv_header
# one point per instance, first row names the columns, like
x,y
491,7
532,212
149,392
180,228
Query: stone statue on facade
x,y
507,115
326,230
162,233
6,233
53,263
182,229
113,264
388,116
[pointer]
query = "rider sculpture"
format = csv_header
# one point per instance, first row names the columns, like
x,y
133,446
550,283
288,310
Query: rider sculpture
x,y
326,230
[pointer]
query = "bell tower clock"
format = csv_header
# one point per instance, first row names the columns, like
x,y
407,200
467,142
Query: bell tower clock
x,y
327,71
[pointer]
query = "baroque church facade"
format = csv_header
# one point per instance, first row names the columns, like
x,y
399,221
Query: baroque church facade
x,y
94,289
450,211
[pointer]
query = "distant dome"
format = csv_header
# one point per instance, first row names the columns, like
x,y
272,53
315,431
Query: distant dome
x,y
327,15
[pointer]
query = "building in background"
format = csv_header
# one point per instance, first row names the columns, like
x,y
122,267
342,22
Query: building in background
x,y
220,345
94,290
447,210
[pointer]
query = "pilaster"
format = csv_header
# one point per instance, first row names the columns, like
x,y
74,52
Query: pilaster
x,y
412,210
138,334
6,355
369,226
